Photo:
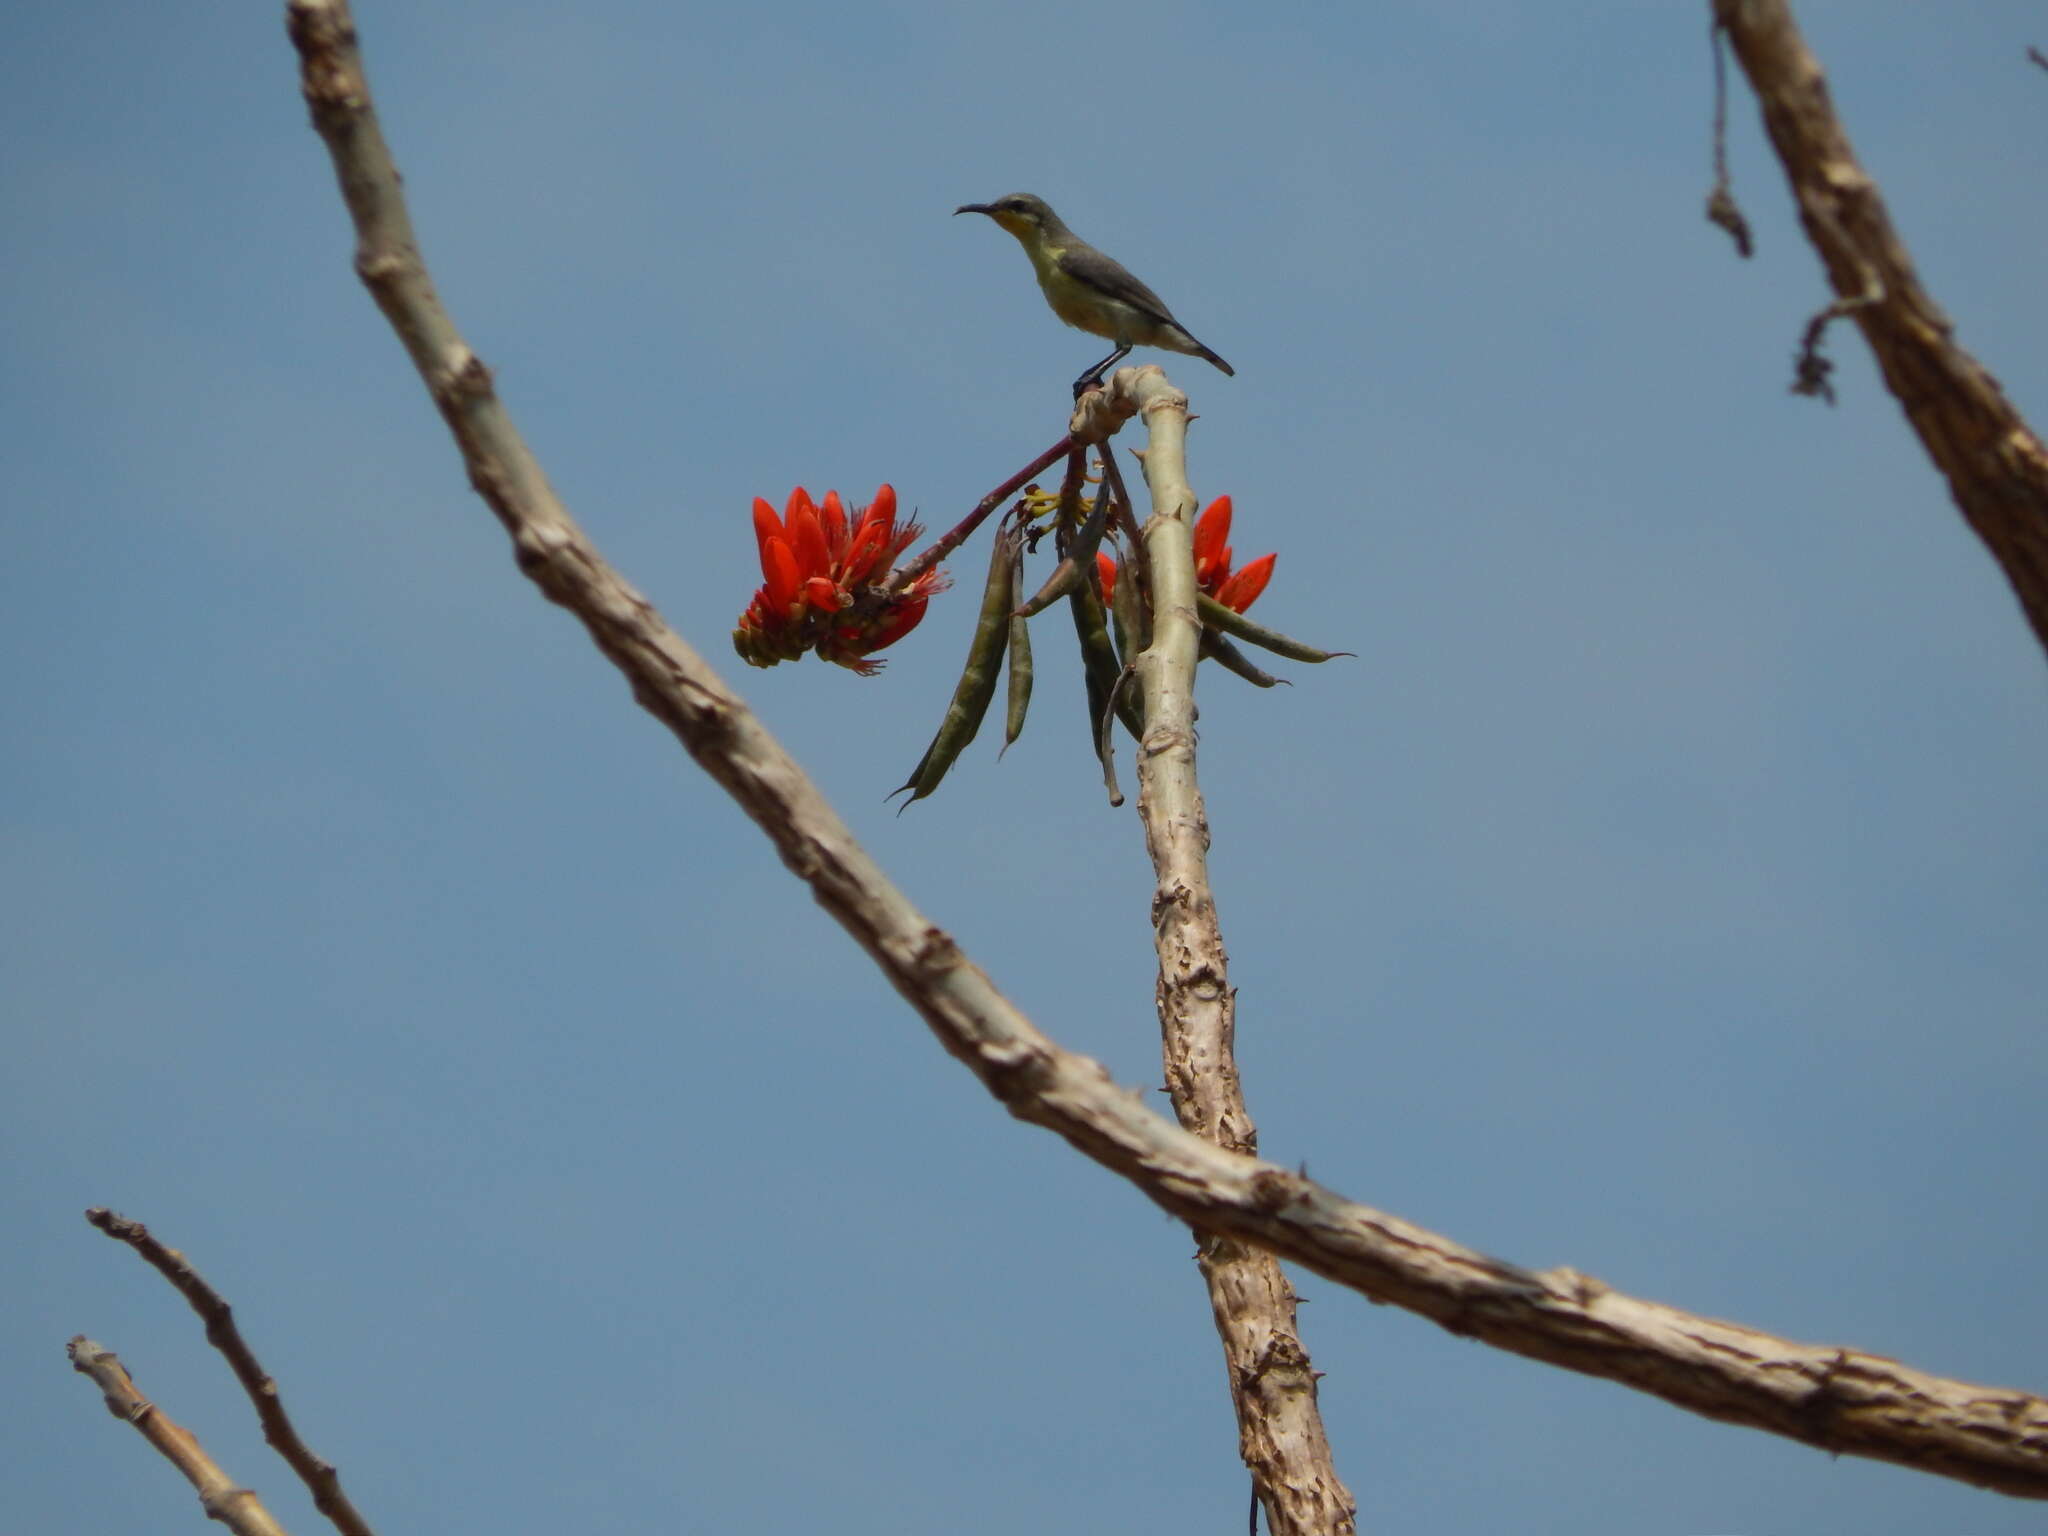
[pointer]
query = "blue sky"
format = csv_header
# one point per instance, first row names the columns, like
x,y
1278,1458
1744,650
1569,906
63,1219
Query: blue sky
x,y
1660,892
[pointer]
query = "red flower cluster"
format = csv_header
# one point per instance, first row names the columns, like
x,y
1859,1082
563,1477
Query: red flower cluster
x,y
825,586
1235,590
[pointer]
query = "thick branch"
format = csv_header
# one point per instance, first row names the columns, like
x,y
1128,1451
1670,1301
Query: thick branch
x,y
1836,1399
1272,1383
235,1507
1997,469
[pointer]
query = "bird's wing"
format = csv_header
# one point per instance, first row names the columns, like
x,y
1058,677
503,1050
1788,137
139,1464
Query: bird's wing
x,y
1107,275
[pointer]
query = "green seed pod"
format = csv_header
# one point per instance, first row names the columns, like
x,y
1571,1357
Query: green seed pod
x,y
1018,699
1231,622
977,685
1220,650
1099,657
1130,614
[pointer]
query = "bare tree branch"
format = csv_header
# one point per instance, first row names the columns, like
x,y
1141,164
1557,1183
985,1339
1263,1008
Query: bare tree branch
x,y
1996,467
1840,1400
319,1476
1272,1382
235,1507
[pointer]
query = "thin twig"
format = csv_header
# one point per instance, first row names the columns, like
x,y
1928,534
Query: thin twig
x,y
238,1508
318,1475
959,533
1838,1400
1722,209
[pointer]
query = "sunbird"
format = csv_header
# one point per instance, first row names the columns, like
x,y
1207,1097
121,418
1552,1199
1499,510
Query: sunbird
x,y
1087,289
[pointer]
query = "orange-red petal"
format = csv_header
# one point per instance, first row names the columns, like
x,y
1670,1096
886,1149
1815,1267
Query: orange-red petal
x,y
1105,573
1243,588
899,621
833,516
820,593
779,566
807,541
865,548
884,504
1212,535
766,524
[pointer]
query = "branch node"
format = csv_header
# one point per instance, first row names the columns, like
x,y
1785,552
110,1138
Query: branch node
x,y
1273,1190
461,378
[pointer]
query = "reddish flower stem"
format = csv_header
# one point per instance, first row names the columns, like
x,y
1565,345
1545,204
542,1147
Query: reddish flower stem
x,y
973,520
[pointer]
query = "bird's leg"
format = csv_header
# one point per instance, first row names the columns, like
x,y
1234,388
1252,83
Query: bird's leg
x,y
1094,375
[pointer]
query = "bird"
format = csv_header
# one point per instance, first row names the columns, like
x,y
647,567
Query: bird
x,y
1087,289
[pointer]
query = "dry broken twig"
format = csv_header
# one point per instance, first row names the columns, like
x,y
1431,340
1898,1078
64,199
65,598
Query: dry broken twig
x,y
319,1476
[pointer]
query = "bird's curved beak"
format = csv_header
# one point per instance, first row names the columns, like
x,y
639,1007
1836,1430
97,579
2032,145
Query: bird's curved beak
x,y
973,208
